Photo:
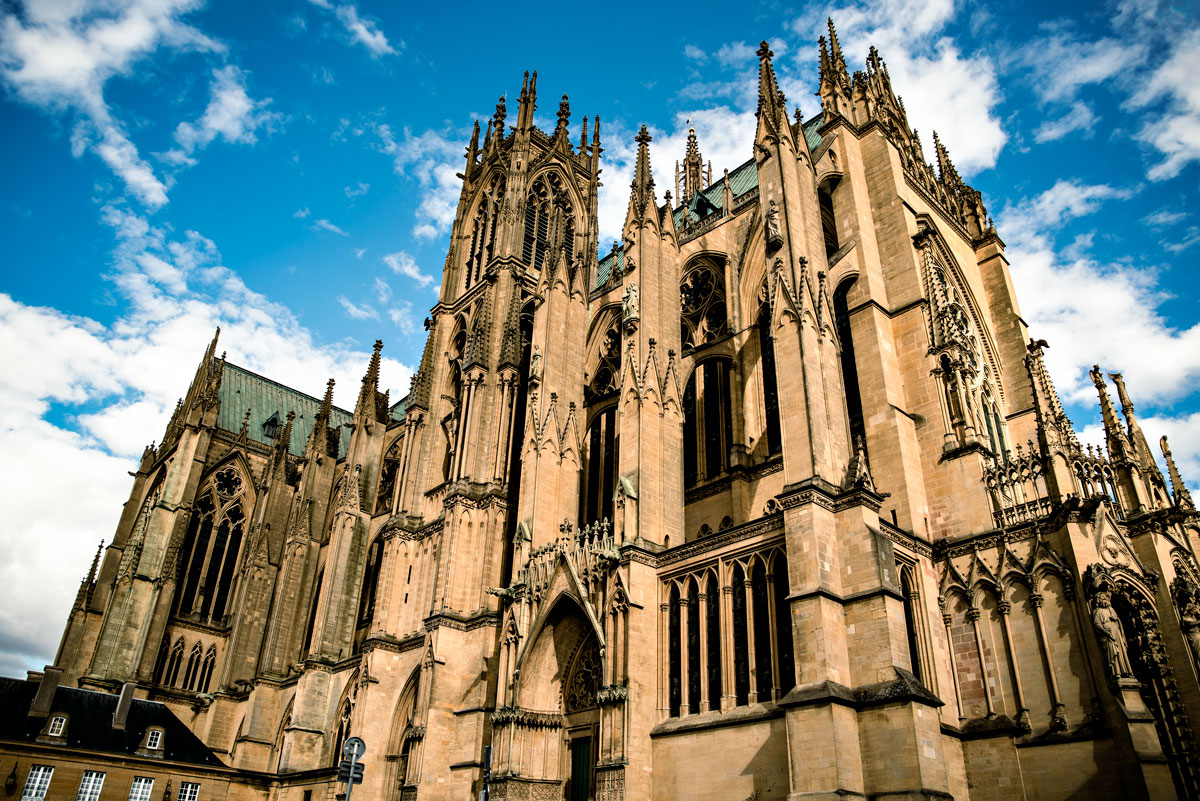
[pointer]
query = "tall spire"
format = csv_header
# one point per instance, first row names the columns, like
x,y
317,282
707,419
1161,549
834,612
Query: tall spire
x,y
1183,498
528,102
837,61
473,148
642,204
1054,427
370,386
319,438
771,101
422,380
1118,443
89,582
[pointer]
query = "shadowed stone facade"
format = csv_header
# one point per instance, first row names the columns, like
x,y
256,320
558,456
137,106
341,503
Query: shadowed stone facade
x,y
776,500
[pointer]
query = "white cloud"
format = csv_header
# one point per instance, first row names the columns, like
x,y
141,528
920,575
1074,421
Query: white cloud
x,y
231,115
943,90
60,56
363,312
115,386
1062,63
1175,133
1092,312
383,292
738,55
694,53
358,190
326,225
404,264
433,158
358,252
1079,118
402,316
301,214
1164,217
362,30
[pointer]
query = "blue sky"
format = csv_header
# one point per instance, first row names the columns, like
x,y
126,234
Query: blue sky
x,y
287,170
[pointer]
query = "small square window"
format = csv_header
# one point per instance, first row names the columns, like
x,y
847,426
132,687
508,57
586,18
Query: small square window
x,y
37,783
189,791
141,789
89,788
154,739
58,724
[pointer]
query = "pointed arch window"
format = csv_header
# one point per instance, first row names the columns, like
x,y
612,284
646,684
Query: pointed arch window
x,y
454,395
707,421
171,675
770,381
704,317
841,315
549,222
211,548
370,583
483,233
206,670
601,458
741,642
193,667
712,620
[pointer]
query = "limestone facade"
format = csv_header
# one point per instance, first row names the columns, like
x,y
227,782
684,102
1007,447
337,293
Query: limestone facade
x,y
775,500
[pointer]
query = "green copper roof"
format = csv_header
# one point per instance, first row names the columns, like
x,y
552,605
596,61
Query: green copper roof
x,y
242,389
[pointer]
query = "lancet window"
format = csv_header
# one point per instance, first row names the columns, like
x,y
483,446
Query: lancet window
x,y
707,421
841,314
600,462
729,645
770,382
704,317
370,586
454,395
195,676
387,478
211,547
549,222
483,231
828,220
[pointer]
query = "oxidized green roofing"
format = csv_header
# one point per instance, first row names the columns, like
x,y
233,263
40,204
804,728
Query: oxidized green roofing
x,y
604,268
242,389
810,131
398,409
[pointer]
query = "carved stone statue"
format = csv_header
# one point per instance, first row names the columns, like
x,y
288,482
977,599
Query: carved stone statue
x,y
774,233
1108,631
1188,603
535,365
629,302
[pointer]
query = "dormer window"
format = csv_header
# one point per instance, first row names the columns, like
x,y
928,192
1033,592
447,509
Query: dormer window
x,y
58,725
271,426
154,739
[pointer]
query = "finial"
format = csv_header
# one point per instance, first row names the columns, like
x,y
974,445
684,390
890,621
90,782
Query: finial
x,y
245,430
564,114
643,136
764,51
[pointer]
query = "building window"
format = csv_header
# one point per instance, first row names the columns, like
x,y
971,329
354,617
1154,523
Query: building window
x,y
193,668
483,234
210,550
770,382
549,223
841,314
602,466
703,316
37,783
154,739
141,789
210,660
189,791
58,724
172,671
89,787
828,221
912,616
707,422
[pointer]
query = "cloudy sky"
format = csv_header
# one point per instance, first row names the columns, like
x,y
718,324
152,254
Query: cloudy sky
x,y
286,170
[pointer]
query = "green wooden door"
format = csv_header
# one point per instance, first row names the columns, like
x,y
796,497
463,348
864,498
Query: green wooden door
x,y
581,768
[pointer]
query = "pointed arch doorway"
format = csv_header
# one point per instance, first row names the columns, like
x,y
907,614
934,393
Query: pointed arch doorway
x,y
548,737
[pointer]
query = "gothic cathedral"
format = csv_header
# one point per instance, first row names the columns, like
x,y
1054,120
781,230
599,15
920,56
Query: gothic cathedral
x,y
773,500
